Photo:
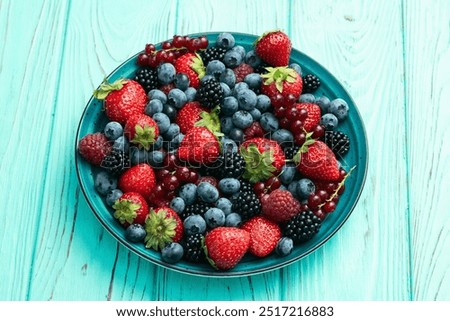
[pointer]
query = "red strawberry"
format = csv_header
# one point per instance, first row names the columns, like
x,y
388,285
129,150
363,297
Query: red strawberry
x,y
139,178
192,65
225,246
94,148
264,235
282,80
313,118
241,71
131,208
280,206
163,225
255,130
199,146
274,47
123,99
189,115
264,158
141,130
317,161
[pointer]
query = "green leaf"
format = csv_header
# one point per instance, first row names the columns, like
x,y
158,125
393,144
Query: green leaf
x,y
105,88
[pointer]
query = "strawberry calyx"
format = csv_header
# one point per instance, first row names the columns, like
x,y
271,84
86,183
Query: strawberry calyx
x,y
144,136
304,148
264,35
198,66
125,211
279,75
205,249
160,229
211,121
258,165
105,88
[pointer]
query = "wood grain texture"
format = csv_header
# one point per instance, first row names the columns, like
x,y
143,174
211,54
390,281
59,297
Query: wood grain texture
x,y
31,40
427,61
361,44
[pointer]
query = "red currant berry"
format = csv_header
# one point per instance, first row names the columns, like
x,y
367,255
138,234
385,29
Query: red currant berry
x,y
342,173
296,127
320,214
300,138
170,183
322,194
160,174
160,56
341,190
314,201
259,188
335,199
318,131
203,42
193,177
152,62
277,100
303,114
280,111
292,113
193,45
284,122
157,193
330,187
178,41
149,48
273,183
182,173
166,45
142,59
171,162
329,207
170,57
290,99
304,207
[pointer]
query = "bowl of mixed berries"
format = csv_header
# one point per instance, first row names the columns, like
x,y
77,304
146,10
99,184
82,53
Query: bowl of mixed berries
x,y
221,154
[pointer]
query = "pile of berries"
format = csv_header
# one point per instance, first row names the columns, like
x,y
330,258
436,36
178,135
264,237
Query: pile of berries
x,y
213,152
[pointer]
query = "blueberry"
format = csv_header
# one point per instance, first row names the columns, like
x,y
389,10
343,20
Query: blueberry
x,y
175,142
207,192
157,94
121,143
188,192
215,68
307,98
237,135
292,187
269,122
253,80
163,122
225,205
305,187
287,174
233,220
226,124
247,99
166,73
226,89
240,50
173,131
156,159
113,130
252,59
181,81
194,224
206,78
283,137
339,108
324,103
284,246
170,111
256,114
135,233
225,40
229,106
263,103
104,183
229,185
113,196
138,156
177,204
214,217
177,98
154,106
330,121
228,145
228,77
158,143
239,87
242,119
296,67
172,253
190,93
232,58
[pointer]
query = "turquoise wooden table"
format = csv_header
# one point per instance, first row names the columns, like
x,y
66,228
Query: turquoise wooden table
x,y
393,56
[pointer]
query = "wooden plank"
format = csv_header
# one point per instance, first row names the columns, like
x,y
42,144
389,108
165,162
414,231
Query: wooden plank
x,y
31,36
75,257
360,42
427,62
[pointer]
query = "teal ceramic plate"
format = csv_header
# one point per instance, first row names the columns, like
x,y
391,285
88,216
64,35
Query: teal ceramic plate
x,y
93,120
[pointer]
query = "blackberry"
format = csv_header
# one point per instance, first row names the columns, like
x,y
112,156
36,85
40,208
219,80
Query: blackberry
x,y
338,142
310,83
227,165
247,205
246,186
193,249
212,53
148,78
116,161
210,94
198,207
302,227
289,152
